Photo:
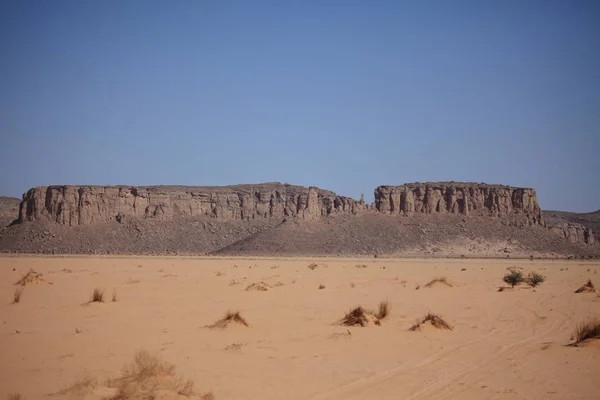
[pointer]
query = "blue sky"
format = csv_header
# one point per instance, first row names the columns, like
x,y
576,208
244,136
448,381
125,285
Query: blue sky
x,y
344,95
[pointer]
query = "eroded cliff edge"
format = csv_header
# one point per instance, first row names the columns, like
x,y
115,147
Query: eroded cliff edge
x,y
459,198
279,218
83,205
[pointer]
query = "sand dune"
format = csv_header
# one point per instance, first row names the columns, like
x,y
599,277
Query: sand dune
x,y
503,345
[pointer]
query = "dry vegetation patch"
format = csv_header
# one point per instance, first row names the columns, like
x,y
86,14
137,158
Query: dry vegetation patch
x,y
147,377
586,331
586,287
534,279
231,317
97,296
259,287
17,294
363,317
431,319
438,281
31,277
82,387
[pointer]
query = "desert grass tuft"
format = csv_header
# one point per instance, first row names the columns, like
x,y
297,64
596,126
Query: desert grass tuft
x,y
17,294
313,266
231,317
435,320
587,287
80,388
586,330
356,316
443,280
321,286
97,296
31,277
362,316
148,377
514,277
534,279
384,310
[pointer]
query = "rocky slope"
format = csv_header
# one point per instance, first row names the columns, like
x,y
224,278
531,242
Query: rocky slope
x,y
447,218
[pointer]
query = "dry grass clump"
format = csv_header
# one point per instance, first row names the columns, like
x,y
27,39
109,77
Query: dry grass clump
x,y
321,286
313,266
441,280
587,287
259,286
31,277
587,330
514,277
17,294
363,317
360,266
97,296
231,317
434,320
148,377
80,388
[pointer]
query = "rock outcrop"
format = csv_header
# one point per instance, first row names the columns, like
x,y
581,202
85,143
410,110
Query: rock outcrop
x,y
574,233
459,198
83,205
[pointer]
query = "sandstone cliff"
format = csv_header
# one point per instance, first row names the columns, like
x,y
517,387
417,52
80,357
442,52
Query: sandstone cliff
x,y
275,218
83,205
459,198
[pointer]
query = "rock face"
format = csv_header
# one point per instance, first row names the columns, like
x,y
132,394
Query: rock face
x,y
459,198
83,205
574,233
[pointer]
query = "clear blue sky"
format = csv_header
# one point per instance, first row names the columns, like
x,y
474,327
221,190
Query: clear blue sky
x,y
344,95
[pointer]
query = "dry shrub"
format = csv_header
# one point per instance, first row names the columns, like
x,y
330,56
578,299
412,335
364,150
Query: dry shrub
x,y
442,280
587,287
321,286
435,320
360,266
587,330
514,277
384,310
148,377
313,266
363,317
80,388
31,277
231,317
534,279
97,296
17,294
259,286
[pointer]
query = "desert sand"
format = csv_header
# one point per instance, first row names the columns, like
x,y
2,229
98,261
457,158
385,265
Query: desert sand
x,y
503,345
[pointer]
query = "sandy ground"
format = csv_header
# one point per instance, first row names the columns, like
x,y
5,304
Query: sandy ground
x,y
505,345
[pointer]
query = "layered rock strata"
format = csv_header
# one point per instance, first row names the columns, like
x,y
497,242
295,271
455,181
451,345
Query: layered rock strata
x,y
83,205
